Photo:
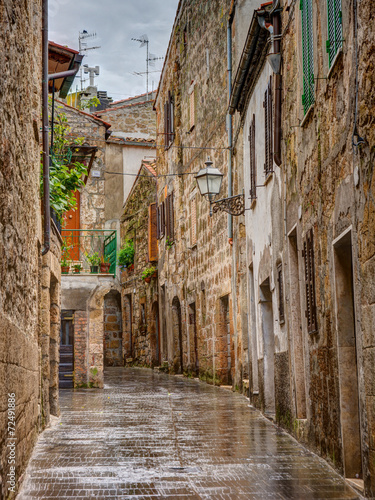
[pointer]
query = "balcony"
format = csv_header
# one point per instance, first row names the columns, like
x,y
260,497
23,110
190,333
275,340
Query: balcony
x,y
80,245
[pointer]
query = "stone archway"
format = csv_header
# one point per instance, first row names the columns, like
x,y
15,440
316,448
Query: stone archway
x,y
112,329
178,364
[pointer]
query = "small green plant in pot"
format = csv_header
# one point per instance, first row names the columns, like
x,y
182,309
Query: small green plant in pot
x,y
148,273
77,268
105,265
94,261
126,255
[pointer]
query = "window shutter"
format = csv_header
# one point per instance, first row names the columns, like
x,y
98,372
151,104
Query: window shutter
x,y
171,119
308,255
308,97
281,292
158,222
268,120
165,125
334,21
193,221
162,219
252,160
152,233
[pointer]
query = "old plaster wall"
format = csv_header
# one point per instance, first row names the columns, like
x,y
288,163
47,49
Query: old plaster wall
x,y
330,190
138,296
196,274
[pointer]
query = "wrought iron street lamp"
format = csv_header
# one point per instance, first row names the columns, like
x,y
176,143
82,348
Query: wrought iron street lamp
x,y
209,180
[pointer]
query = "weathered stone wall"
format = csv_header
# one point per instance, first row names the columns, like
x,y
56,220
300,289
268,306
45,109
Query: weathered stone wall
x,y
28,284
138,296
136,119
329,189
112,330
195,273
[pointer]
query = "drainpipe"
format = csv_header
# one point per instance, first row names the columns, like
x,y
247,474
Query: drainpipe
x,y
277,130
229,124
45,154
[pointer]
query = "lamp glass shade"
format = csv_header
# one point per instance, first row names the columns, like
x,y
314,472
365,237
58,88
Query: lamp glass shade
x,y
275,62
209,181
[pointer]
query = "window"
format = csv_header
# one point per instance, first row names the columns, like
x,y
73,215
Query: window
x,y
152,233
252,160
161,221
169,218
168,121
334,18
308,97
193,229
308,255
268,128
281,293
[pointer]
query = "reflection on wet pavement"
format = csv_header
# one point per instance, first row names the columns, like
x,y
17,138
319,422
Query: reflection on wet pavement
x,y
150,435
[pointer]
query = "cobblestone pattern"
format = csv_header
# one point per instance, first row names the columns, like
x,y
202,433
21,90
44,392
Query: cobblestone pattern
x,y
150,435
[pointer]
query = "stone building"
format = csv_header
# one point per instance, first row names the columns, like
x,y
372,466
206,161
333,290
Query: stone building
x,y
310,267
196,267
141,332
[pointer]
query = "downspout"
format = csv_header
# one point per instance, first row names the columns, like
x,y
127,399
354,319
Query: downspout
x,y
277,131
229,125
45,153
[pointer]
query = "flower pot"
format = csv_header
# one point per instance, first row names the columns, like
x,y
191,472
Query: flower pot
x,y
77,271
104,268
155,275
65,269
94,269
148,279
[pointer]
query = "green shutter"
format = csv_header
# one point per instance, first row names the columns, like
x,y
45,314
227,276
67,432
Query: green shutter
x,y
334,41
308,97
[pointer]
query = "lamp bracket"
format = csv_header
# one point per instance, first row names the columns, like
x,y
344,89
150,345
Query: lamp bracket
x,y
234,205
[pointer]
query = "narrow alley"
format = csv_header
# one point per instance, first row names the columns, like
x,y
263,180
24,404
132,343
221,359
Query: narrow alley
x,y
151,435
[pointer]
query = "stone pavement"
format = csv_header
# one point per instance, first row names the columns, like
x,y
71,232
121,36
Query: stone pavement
x,y
150,435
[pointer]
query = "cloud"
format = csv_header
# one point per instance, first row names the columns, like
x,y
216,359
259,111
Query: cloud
x,y
115,24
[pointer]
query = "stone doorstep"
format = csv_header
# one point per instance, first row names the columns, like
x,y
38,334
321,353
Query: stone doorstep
x,y
357,484
226,387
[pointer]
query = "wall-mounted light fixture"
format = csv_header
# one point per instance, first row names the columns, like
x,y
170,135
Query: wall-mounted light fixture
x,y
209,180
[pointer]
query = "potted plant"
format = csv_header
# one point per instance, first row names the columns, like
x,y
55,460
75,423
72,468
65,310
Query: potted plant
x,y
94,261
105,265
126,255
148,273
64,265
77,268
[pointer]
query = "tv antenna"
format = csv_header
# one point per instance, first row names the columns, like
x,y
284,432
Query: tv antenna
x,y
150,58
83,48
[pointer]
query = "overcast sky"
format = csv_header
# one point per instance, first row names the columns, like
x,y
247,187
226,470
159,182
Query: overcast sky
x,y
115,23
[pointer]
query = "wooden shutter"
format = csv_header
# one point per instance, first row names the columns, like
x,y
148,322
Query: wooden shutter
x,y
308,256
281,292
193,221
334,21
165,125
162,219
169,219
268,128
308,97
152,233
158,222
252,159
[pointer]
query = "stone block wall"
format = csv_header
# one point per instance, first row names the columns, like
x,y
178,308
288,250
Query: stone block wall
x,y
112,330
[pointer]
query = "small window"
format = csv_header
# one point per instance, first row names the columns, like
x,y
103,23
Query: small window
x,y
268,129
308,97
168,121
308,256
169,218
161,221
334,20
253,193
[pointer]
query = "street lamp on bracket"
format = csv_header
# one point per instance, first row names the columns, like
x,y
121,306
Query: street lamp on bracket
x,y
209,180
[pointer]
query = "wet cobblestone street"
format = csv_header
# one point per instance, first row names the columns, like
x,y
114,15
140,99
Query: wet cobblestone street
x,y
150,435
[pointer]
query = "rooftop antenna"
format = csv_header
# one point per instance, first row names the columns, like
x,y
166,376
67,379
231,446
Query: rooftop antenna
x,y
150,58
83,48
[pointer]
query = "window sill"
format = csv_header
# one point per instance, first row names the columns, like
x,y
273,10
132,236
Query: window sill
x,y
337,57
307,115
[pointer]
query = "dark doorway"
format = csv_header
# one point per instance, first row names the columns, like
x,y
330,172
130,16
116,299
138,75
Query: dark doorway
x,y
178,363
66,366
224,337
347,356
265,297
193,338
155,336
112,341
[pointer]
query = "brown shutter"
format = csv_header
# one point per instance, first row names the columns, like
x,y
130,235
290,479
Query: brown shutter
x,y
252,160
169,222
162,220
152,233
158,222
166,124
308,255
268,129
193,221
166,205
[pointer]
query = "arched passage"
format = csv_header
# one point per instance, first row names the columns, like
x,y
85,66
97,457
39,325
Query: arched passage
x,y
177,336
112,329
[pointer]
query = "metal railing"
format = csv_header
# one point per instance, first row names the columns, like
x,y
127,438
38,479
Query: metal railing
x,y
81,244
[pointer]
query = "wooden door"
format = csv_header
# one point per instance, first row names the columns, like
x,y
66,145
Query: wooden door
x,y
72,221
66,366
